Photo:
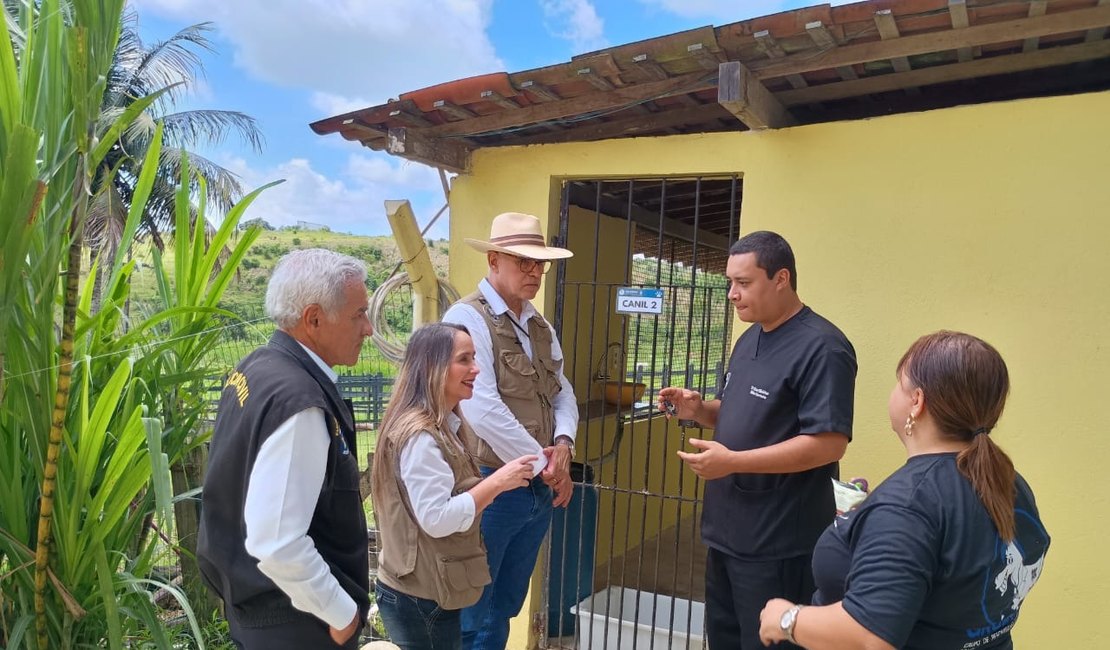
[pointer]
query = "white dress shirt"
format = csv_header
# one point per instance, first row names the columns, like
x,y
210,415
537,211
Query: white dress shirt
x,y
429,481
282,492
487,414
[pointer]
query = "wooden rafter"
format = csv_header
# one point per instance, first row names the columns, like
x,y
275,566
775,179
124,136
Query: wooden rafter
x,y
824,39
704,56
1098,33
1080,20
1036,8
748,99
953,72
454,110
542,92
596,80
596,101
769,46
449,155
650,68
888,30
355,129
499,99
409,117
628,126
957,9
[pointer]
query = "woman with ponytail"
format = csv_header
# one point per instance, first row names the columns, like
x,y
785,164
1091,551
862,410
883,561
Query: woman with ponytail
x,y
428,494
942,554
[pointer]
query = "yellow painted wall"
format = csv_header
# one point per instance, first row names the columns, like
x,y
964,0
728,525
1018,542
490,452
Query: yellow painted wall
x,y
991,219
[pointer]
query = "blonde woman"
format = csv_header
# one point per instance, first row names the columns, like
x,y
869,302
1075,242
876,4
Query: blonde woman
x,y
942,554
428,494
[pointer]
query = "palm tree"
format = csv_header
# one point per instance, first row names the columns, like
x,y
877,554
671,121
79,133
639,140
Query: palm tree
x,y
138,70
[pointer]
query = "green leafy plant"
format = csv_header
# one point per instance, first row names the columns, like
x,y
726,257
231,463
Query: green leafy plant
x,y
95,406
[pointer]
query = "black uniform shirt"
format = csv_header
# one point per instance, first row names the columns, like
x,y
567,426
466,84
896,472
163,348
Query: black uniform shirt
x,y
920,563
794,380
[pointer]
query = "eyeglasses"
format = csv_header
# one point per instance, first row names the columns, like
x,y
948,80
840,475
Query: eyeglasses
x,y
527,264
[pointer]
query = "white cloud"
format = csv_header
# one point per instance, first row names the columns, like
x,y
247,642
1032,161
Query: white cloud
x,y
351,203
576,21
330,104
726,11
356,49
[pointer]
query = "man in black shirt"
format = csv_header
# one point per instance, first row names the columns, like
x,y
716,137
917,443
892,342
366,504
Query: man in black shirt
x,y
782,422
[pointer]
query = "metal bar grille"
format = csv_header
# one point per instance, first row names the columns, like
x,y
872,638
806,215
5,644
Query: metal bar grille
x,y
641,536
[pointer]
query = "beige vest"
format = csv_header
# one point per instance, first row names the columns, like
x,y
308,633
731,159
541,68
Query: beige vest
x,y
527,386
450,570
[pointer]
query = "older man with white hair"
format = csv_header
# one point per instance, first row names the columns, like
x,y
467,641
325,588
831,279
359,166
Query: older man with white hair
x,y
283,535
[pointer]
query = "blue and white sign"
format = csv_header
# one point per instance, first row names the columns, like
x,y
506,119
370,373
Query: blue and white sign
x,y
639,301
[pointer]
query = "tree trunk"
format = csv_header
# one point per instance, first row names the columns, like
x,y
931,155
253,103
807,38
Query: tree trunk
x,y
188,474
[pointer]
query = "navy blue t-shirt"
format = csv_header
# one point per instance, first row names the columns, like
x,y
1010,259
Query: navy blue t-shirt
x,y
921,565
797,379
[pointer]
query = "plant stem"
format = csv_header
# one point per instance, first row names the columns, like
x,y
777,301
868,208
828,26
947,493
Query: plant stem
x,y
61,397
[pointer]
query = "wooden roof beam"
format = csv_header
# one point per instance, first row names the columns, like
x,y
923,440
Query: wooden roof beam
x,y
957,9
542,92
628,126
495,97
888,29
596,80
1036,8
1098,33
454,110
769,46
706,59
650,68
1079,20
362,130
408,117
597,101
450,155
748,99
825,40
1047,58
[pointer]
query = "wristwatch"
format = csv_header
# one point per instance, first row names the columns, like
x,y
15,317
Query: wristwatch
x,y
788,621
566,441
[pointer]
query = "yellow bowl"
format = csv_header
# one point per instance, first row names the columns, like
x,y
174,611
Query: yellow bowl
x,y
623,394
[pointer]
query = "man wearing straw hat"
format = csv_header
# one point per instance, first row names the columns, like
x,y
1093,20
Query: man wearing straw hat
x,y
522,404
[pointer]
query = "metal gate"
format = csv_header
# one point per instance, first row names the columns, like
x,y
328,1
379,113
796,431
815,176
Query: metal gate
x,y
626,562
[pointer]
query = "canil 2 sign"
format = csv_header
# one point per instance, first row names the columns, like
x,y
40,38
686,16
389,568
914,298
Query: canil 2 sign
x,y
639,301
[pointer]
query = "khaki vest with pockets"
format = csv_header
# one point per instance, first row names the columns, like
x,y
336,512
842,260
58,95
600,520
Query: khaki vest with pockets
x,y
527,386
450,570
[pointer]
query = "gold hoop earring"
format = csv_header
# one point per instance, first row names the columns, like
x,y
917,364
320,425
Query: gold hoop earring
x,y
909,424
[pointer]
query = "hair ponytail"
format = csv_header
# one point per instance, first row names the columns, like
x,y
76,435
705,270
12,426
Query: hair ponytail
x,y
991,473
965,383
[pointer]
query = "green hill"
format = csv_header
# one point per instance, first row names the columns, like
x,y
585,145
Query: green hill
x,y
246,294
247,291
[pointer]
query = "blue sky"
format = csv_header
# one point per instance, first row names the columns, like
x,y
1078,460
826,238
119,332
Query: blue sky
x,y
291,62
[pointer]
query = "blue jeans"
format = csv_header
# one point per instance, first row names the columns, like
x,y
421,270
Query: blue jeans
x,y
417,623
513,528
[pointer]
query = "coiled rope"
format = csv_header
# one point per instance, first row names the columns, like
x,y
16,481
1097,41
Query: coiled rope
x,y
390,342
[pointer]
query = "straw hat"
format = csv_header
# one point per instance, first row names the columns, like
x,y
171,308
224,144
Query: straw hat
x,y
518,234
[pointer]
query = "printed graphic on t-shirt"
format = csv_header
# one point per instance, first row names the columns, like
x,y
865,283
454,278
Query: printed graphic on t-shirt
x,y
1016,568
